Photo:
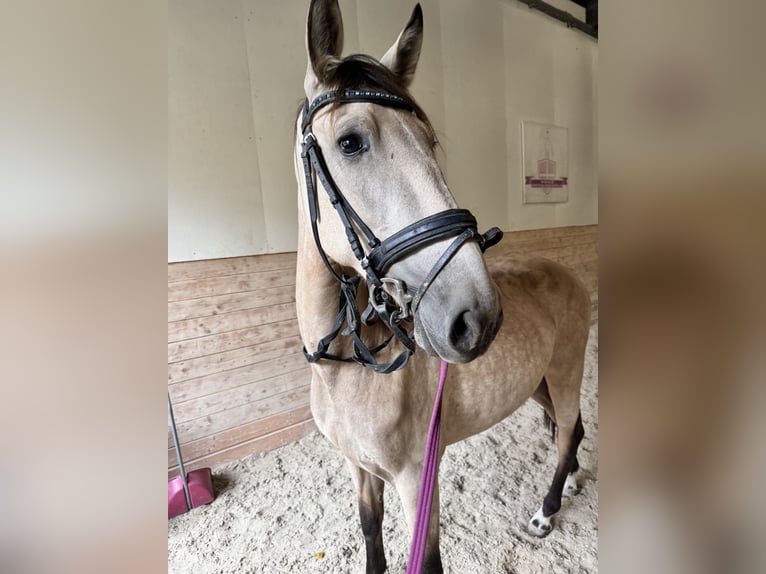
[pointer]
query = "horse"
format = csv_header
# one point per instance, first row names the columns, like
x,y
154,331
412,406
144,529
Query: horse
x,y
512,327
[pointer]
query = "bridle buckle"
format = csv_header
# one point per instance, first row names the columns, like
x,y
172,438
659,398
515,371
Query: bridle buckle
x,y
395,304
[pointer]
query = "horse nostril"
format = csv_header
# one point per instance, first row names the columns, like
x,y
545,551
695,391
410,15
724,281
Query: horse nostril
x,y
464,333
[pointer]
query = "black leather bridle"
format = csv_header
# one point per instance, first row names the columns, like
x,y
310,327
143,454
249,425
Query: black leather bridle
x,y
401,302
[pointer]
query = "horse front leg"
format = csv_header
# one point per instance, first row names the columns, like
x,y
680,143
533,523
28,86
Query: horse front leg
x,y
369,489
408,487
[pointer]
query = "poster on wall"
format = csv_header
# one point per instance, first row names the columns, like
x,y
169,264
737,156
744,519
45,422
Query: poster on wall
x,y
545,159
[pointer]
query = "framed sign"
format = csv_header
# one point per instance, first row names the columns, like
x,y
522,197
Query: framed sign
x,y
545,159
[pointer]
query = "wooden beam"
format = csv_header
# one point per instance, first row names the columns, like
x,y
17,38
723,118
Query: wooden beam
x,y
213,423
260,444
188,349
228,360
230,266
224,440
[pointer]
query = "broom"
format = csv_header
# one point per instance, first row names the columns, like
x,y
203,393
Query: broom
x,y
187,491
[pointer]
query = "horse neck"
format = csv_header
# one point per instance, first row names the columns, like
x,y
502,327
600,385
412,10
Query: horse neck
x,y
316,296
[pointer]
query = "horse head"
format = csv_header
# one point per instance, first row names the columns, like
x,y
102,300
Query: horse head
x,y
382,159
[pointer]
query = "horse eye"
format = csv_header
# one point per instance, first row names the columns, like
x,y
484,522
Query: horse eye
x,y
351,145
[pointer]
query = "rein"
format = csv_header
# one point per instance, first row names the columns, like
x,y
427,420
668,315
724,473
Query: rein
x,y
390,299
427,481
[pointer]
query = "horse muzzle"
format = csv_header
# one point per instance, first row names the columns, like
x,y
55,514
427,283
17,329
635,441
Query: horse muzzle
x,y
458,336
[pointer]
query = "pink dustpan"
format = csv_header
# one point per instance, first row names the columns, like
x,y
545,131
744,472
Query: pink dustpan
x,y
200,485
188,490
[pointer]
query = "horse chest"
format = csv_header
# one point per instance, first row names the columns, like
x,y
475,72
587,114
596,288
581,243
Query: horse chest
x,y
370,425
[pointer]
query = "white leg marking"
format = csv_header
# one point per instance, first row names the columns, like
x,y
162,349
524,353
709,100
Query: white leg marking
x,y
571,487
539,525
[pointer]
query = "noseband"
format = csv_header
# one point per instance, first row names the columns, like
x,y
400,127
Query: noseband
x,y
390,299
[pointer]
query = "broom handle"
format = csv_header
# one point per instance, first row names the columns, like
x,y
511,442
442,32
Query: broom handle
x,y
178,455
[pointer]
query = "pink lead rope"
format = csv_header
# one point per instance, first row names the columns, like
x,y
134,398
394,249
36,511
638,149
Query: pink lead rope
x,y
427,481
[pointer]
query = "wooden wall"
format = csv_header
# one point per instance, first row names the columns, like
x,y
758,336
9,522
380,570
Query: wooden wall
x,y
236,374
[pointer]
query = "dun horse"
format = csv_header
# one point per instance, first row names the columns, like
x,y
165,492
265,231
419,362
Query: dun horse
x,y
366,169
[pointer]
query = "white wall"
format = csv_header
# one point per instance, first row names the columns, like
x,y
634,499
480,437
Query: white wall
x,y
235,81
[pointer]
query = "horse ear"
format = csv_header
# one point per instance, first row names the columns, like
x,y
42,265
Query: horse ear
x,y
402,57
324,42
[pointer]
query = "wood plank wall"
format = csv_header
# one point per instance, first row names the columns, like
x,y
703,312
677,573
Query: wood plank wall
x,y
236,374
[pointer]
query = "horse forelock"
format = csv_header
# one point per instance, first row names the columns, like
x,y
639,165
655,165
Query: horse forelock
x,y
362,72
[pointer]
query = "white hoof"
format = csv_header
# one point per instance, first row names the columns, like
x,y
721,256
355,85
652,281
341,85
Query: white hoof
x,y
571,488
539,525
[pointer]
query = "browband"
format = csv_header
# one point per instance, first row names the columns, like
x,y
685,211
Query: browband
x,y
351,96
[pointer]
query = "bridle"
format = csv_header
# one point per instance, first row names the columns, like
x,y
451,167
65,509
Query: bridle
x,y
401,302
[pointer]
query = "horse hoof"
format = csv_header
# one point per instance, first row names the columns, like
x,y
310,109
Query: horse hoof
x,y
540,525
571,488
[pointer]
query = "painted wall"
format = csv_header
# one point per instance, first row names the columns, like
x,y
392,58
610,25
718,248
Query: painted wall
x,y
236,72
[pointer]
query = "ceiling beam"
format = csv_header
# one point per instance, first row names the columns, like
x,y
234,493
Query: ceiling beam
x,y
565,16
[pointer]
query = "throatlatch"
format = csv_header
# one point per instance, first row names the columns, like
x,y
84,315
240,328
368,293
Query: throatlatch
x,y
398,302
